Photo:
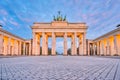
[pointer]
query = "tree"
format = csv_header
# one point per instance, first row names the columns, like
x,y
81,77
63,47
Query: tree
x,y
69,51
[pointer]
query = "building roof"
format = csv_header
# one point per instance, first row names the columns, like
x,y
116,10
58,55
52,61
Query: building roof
x,y
4,31
111,33
59,24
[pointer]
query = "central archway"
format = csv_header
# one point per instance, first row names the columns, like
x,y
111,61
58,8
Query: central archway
x,y
59,45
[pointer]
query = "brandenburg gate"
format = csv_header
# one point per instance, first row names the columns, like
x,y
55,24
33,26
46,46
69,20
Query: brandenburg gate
x,y
59,28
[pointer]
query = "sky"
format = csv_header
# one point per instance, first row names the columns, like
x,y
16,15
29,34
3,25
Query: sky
x,y
101,16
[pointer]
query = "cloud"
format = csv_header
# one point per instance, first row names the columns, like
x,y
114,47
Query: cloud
x,y
3,12
2,22
100,15
14,23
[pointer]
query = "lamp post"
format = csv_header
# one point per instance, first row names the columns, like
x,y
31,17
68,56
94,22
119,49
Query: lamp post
x,y
1,26
118,25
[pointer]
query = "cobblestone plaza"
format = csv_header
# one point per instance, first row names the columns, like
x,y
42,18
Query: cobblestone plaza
x,y
59,68
59,40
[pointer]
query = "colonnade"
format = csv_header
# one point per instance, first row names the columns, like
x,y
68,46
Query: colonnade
x,y
46,35
108,46
12,46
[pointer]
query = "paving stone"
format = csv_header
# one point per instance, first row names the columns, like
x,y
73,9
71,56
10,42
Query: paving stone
x,y
59,68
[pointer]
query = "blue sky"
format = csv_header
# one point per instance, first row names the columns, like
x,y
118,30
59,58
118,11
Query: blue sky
x,y
101,16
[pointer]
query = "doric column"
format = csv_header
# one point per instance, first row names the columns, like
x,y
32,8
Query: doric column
x,y
9,45
14,48
79,45
101,48
112,47
72,45
84,43
108,47
118,44
98,48
1,44
74,49
65,44
93,48
19,48
5,43
43,43
38,45
75,43
23,48
88,49
115,45
46,45
26,49
34,44
105,47
30,48
53,44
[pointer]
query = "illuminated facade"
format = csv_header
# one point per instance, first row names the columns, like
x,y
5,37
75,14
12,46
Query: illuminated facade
x,y
59,29
106,45
12,45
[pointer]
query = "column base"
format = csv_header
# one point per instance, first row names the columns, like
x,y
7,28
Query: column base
x,y
65,55
44,55
73,54
53,54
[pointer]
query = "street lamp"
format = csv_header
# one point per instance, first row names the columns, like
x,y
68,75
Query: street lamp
x,y
1,26
118,25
